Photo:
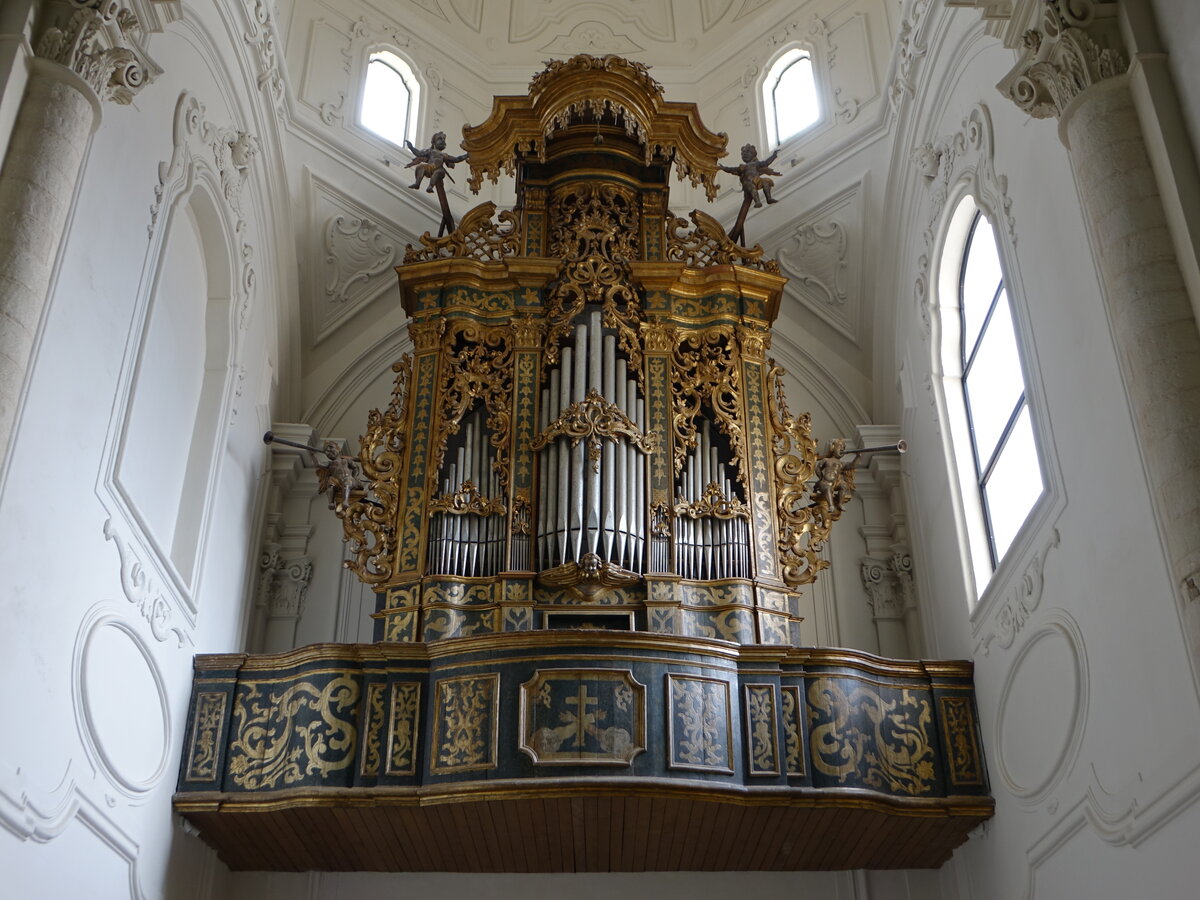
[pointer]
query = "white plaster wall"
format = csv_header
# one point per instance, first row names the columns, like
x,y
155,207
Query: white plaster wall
x,y
99,629
1074,674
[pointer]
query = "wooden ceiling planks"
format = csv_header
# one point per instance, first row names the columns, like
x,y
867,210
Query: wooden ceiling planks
x,y
590,831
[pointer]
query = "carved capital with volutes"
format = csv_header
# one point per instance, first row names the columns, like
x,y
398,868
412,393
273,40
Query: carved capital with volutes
x,y
1074,45
528,332
888,584
426,334
101,41
755,342
658,336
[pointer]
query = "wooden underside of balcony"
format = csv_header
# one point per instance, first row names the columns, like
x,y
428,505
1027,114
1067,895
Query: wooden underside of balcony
x,y
583,825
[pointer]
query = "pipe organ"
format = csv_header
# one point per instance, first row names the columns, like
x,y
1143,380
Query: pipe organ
x,y
587,514
589,418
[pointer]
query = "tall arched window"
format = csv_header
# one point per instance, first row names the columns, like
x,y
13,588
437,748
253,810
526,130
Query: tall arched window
x,y
1000,475
790,96
389,98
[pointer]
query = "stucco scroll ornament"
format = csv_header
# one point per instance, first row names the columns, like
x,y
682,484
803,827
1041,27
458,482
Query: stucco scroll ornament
x,y
262,36
911,46
102,43
1077,45
1022,601
968,153
143,592
227,158
818,259
356,250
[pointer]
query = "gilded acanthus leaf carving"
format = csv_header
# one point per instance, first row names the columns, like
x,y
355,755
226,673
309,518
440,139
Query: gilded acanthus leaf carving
x,y
476,237
704,373
805,512
708,245
595,418
468,499
477,366
713,504
594,218
369,515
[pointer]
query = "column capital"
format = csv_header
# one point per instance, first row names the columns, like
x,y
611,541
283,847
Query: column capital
x,y
1072,45
101,41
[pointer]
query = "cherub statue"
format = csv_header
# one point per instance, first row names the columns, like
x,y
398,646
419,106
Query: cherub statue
x,y
753,174
339,476
830,470
432,164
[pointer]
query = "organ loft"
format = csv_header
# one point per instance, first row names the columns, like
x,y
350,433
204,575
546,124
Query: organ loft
x,y
588,515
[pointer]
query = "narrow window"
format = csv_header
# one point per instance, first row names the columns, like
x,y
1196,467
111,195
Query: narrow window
x,y
1008,478
389,97
790,96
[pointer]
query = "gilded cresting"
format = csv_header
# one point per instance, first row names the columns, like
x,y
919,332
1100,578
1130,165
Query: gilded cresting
x,y
587,512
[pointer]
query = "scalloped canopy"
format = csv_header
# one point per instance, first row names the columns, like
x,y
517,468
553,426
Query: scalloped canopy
x,y
595,85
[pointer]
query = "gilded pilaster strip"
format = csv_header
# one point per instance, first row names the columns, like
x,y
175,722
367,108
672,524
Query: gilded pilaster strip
x,y
208,730
411,548
372,755
762,496
793,730
962,745
402,728
762,731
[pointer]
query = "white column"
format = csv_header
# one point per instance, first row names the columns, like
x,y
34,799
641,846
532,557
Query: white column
x,y
91,53
1075,68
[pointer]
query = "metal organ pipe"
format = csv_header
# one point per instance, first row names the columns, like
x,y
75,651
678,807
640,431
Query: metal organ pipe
x,y
588,507
468,544
707,546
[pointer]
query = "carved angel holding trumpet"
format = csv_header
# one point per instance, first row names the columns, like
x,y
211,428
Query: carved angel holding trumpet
x,y
339,476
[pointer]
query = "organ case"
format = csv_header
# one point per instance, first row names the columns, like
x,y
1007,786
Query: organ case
x,y
589,420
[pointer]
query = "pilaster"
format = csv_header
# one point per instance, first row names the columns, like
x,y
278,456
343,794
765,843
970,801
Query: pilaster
x,y
285,565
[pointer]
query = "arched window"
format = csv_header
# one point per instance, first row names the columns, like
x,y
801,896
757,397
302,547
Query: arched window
x,y
790,96
1000,475
389,98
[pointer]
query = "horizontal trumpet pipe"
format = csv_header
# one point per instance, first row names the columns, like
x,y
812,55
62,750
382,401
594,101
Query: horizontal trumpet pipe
x,y
898,447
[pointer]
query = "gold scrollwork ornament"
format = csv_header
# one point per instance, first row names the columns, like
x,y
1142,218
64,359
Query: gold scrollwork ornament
x,y
369,516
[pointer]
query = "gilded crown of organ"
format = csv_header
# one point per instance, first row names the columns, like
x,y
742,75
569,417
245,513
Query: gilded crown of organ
x,y
588,422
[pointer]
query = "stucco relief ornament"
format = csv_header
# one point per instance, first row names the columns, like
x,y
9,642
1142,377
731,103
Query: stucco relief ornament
x,y
1077,45
102,43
